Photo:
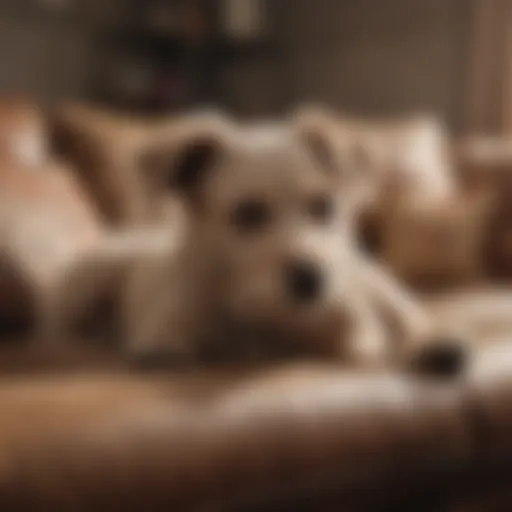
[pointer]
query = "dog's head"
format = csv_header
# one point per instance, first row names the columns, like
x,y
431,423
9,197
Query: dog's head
x,y
269,211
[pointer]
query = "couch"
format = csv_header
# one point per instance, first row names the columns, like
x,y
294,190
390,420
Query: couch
x,y
81,430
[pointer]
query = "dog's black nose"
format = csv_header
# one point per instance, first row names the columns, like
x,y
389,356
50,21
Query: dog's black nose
x,y
304,281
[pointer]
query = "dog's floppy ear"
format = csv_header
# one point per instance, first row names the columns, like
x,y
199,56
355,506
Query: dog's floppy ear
x,y
192,162
180,167
181,152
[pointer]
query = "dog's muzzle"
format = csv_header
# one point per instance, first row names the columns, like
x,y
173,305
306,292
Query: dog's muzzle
x,y
303,281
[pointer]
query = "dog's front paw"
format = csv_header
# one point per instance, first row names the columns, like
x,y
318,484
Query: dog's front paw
x,y
441,356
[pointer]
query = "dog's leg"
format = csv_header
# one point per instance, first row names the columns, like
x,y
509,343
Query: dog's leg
x,y
365,343
159,319
422,343
92,277
145,304
65,302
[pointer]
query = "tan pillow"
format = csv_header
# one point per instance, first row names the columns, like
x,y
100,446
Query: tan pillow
x,y
406,159
437,243
413,158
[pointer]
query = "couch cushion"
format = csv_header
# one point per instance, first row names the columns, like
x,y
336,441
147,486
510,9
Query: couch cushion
x,y
46,220
23,133
227,440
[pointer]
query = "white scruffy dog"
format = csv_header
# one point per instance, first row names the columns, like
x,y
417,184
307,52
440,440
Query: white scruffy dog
x,y
262,259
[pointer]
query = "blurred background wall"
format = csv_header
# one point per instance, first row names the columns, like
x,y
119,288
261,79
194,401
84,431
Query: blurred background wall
x,y
42,54
369,56
364,56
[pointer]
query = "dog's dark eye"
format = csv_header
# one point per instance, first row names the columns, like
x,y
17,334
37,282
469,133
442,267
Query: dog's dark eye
x,y
250,216
321,208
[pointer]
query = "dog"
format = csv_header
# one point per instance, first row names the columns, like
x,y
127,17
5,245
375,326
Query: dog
x,y
262,260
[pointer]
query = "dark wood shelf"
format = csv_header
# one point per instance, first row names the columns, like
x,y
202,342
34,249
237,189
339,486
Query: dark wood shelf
x,y
198,62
